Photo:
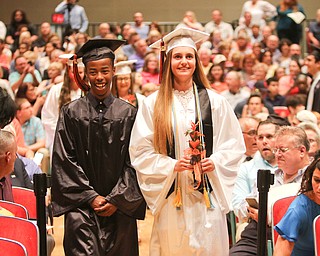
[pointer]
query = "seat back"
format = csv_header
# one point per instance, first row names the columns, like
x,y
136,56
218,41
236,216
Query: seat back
x,y
21,230
279,208
316,232
27,198
17,209
9,247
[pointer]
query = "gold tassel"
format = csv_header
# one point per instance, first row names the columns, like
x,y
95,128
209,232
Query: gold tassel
x,y
206,197
177,200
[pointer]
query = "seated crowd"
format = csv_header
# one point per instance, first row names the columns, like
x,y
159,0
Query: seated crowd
x,y
272,87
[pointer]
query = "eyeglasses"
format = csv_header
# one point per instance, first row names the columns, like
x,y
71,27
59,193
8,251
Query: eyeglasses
x,y
283,150
125,79
251,133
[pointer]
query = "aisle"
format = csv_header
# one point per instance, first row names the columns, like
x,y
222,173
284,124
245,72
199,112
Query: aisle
x,y
145,227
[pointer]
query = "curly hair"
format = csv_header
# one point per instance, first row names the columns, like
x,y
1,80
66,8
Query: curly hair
x,y
306,183
8,108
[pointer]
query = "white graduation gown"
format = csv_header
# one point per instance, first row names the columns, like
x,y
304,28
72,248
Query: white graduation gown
x,y
194,229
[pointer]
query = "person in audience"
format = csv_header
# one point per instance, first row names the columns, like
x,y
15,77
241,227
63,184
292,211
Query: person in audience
x,y
141,49
273,97
284,47
8,150
205,56
216,23
190,21
235,93
286,26
129,49
313,34
150,69
122,84
286,83
25,73
103,30
55,76
32,128
101,197
249,127
18,19
74,16
248,61
245,185
139,25
5,55
260,11
266,58
216,78
43,38
296,236
295,103
28,91
290,152
313,133
272,44
255,107
312,62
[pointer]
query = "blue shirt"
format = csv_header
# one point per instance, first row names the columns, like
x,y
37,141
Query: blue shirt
x,y
14,77
33,130
297,225
246,183
78,17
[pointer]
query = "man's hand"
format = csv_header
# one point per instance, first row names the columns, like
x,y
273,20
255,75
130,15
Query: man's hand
x,y
253,213
102,207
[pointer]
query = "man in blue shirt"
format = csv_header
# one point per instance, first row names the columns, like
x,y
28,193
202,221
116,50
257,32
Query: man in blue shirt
x,y
74,15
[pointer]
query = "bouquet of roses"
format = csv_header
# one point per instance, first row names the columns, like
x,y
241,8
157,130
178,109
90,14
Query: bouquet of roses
x,y
196,151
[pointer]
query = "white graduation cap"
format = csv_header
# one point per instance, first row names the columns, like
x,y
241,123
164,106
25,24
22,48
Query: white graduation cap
x,y
181,37
69,57
123,67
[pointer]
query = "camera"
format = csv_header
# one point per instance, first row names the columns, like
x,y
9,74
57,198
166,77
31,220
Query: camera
x,y
30,63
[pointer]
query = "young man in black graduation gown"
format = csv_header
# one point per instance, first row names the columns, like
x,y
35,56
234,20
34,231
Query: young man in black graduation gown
x,y
93,182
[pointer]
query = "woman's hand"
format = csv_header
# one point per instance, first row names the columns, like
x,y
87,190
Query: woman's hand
x,y
183,164
207,165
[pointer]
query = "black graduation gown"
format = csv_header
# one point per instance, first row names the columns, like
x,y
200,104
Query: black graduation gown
x,y
90,158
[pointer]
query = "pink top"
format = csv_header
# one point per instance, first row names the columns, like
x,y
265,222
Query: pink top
x,y
149,78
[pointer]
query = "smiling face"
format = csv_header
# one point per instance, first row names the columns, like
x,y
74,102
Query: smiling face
x,y
123,84
100,73
183,63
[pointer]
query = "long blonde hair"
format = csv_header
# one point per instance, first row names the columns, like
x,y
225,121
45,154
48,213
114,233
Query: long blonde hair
x,y
163,136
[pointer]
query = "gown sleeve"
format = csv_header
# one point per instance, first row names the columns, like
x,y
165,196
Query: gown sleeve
x,y
70,185
154,171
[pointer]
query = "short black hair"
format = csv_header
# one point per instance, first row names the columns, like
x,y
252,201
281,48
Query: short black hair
x,y
272,79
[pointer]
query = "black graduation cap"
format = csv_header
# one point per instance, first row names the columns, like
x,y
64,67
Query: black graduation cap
x,y
97,49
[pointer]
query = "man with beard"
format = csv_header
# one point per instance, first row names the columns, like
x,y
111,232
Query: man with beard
x,y
93,182
264,158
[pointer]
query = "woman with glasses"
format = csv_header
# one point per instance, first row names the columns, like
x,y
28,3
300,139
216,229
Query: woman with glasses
x,y
122,84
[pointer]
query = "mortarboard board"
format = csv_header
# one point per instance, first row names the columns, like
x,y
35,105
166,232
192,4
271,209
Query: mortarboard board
x,y
97,49
181,37
123,67
69,57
